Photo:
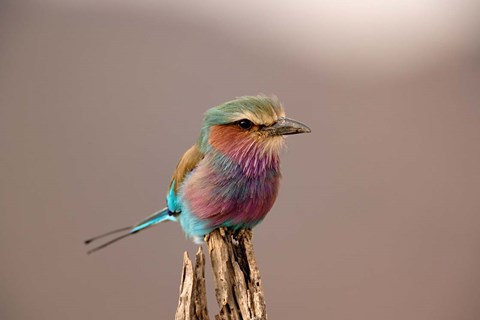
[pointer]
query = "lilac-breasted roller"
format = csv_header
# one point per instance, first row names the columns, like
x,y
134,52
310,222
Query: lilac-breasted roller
x,y
230,176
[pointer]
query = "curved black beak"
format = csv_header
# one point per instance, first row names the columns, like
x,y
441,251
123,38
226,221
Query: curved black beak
x,y
285,126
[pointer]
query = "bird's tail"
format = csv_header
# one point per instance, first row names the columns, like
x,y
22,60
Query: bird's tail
x,y
151,220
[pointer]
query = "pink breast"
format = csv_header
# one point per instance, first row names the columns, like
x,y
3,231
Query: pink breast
x,y
220,198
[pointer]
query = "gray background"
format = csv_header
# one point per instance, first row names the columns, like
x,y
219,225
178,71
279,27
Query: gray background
x,y
378,216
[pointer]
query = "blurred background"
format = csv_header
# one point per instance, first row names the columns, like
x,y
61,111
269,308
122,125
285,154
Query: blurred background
x,y
378,216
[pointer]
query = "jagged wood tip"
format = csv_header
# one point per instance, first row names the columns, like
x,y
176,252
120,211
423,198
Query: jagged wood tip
x,y
192,302
238,285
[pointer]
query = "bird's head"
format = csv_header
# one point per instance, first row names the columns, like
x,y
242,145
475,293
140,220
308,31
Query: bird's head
x,y
248,126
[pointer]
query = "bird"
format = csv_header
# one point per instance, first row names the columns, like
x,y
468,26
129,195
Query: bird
x,y
230,177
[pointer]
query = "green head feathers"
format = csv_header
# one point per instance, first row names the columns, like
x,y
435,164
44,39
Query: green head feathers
x,y
260,110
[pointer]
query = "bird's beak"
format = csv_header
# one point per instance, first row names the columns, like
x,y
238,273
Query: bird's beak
x,y
285,126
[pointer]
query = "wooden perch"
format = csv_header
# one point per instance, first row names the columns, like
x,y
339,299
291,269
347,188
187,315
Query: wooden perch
x,y
192,303
238,286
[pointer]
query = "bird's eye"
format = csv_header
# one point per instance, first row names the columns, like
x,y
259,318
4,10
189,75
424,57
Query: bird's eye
x,y
245,124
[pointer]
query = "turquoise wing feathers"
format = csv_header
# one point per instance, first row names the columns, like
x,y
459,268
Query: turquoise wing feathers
x,y
186,164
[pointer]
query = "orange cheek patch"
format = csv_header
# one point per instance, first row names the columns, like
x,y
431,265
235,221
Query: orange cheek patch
x,y
228,139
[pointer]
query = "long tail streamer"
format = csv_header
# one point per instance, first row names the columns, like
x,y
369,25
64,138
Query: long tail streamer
x,y
151,220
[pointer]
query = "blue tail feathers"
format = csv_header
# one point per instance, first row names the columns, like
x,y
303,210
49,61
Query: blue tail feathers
x,y
153,219
157,217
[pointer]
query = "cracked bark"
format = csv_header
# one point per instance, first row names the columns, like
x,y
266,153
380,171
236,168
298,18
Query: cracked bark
x,y
192,302
238,286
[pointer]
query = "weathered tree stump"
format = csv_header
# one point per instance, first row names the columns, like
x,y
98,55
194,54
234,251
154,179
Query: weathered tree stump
x,y
238,286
